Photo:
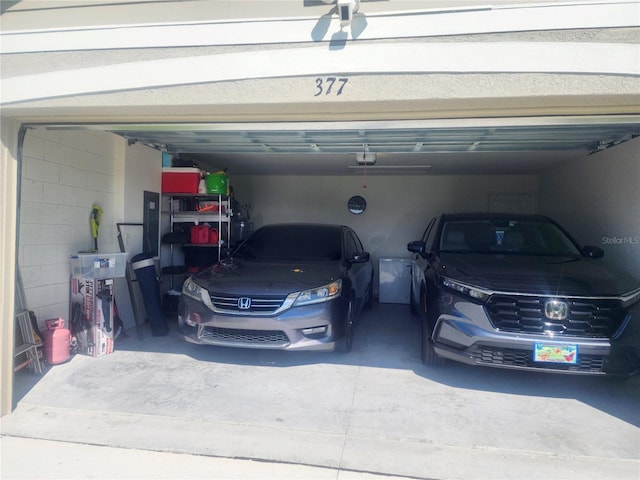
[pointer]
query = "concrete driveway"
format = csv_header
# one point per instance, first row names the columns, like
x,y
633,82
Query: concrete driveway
x,y
376,410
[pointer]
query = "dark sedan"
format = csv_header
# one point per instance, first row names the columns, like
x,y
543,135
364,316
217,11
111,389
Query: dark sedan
x,y
288,286
517,291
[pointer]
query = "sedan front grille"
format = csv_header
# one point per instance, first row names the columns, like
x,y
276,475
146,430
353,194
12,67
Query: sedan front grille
x,y
243,337
264,304
510,357
589,318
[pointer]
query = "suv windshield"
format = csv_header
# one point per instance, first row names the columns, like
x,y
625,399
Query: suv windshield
x,y
292,242
519,237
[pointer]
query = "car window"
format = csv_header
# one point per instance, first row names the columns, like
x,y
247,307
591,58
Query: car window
x,y
292,242
523,237
353,244
430,234
350,246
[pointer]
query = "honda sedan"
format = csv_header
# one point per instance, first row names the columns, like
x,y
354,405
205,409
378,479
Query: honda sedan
x,y
288,287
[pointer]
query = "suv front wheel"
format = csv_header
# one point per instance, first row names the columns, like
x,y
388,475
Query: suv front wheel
x,y
429,356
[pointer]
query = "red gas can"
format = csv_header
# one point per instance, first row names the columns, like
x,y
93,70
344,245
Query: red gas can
x,y
200,234
57,342
213,236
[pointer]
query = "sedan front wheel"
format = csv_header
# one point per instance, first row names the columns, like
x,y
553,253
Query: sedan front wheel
x,y
344,344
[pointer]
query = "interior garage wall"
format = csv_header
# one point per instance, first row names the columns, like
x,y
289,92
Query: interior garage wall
x,y
398,207
598,199
63,174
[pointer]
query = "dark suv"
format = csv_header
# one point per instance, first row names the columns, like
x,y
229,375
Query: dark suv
x,y
517,291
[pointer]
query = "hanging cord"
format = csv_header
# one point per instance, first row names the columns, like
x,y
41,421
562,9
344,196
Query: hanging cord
x,y
364,158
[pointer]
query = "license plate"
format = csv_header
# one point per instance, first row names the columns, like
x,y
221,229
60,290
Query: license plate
x,y
546,352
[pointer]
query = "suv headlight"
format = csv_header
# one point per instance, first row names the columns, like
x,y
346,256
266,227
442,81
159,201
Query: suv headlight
x,y
194,291
630,298
468,290
320,294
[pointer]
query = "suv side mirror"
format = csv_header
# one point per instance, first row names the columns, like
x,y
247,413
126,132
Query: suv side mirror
x,y
593,252
417,247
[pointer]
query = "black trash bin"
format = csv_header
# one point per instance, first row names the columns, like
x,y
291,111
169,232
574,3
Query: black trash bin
x,y
145,269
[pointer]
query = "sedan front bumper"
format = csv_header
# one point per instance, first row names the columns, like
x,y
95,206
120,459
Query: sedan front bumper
x,y
311,327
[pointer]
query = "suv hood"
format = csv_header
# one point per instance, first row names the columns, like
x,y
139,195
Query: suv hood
x,y
249,277
538,275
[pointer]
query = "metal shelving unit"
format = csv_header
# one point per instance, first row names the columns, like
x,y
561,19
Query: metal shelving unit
x,y
186,210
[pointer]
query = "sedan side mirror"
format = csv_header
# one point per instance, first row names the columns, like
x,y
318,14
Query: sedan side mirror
x,y
593,252
360,257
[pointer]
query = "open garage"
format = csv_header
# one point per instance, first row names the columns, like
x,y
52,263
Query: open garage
x,y
532,108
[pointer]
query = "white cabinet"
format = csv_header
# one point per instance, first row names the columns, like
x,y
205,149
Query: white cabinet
x,y
395,280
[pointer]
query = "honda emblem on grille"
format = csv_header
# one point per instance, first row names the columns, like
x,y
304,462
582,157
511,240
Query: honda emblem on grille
x,y
556,310
244,303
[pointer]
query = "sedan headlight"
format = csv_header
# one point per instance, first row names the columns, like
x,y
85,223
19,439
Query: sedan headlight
x,y
468,290
192,290
320,294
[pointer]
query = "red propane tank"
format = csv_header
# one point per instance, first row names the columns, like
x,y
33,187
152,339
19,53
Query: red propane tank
x,y
57,342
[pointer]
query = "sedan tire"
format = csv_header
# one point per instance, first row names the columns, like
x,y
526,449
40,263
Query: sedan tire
x,y
344,344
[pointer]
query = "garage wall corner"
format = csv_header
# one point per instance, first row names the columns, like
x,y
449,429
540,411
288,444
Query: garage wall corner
x,y
597,199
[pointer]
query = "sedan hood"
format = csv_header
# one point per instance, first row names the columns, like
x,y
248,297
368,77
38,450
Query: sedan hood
x,y
538,275
249,277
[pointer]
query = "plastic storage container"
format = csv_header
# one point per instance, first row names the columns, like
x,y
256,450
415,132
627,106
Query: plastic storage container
x,y
217,183
57,342
98,265
181,179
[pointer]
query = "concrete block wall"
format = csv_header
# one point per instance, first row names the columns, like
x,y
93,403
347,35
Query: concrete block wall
x,y
63,174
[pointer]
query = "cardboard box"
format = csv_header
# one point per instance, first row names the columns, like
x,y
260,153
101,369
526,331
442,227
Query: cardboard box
x,y
91,315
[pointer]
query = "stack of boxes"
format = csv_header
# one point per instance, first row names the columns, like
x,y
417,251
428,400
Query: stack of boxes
x,y
91,301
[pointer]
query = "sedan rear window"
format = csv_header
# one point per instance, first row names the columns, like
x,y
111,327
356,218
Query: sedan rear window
x,y
293,242
519,237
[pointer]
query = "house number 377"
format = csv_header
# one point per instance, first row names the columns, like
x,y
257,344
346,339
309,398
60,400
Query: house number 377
x,y
330,86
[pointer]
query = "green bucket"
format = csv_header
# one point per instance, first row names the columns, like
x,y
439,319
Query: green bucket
x,y
217,183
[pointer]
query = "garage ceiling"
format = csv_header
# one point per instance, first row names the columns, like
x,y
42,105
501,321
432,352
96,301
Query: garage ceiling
x,y
492,146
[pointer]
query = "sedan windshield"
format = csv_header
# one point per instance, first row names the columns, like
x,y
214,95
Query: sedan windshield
x,y
518,237
292,242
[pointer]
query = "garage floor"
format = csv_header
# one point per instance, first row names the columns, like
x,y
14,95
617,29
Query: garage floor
x,y
376,409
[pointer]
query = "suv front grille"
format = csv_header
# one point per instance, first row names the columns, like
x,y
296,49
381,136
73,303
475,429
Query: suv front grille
x,y
243,337
590,318
510,357
258,304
